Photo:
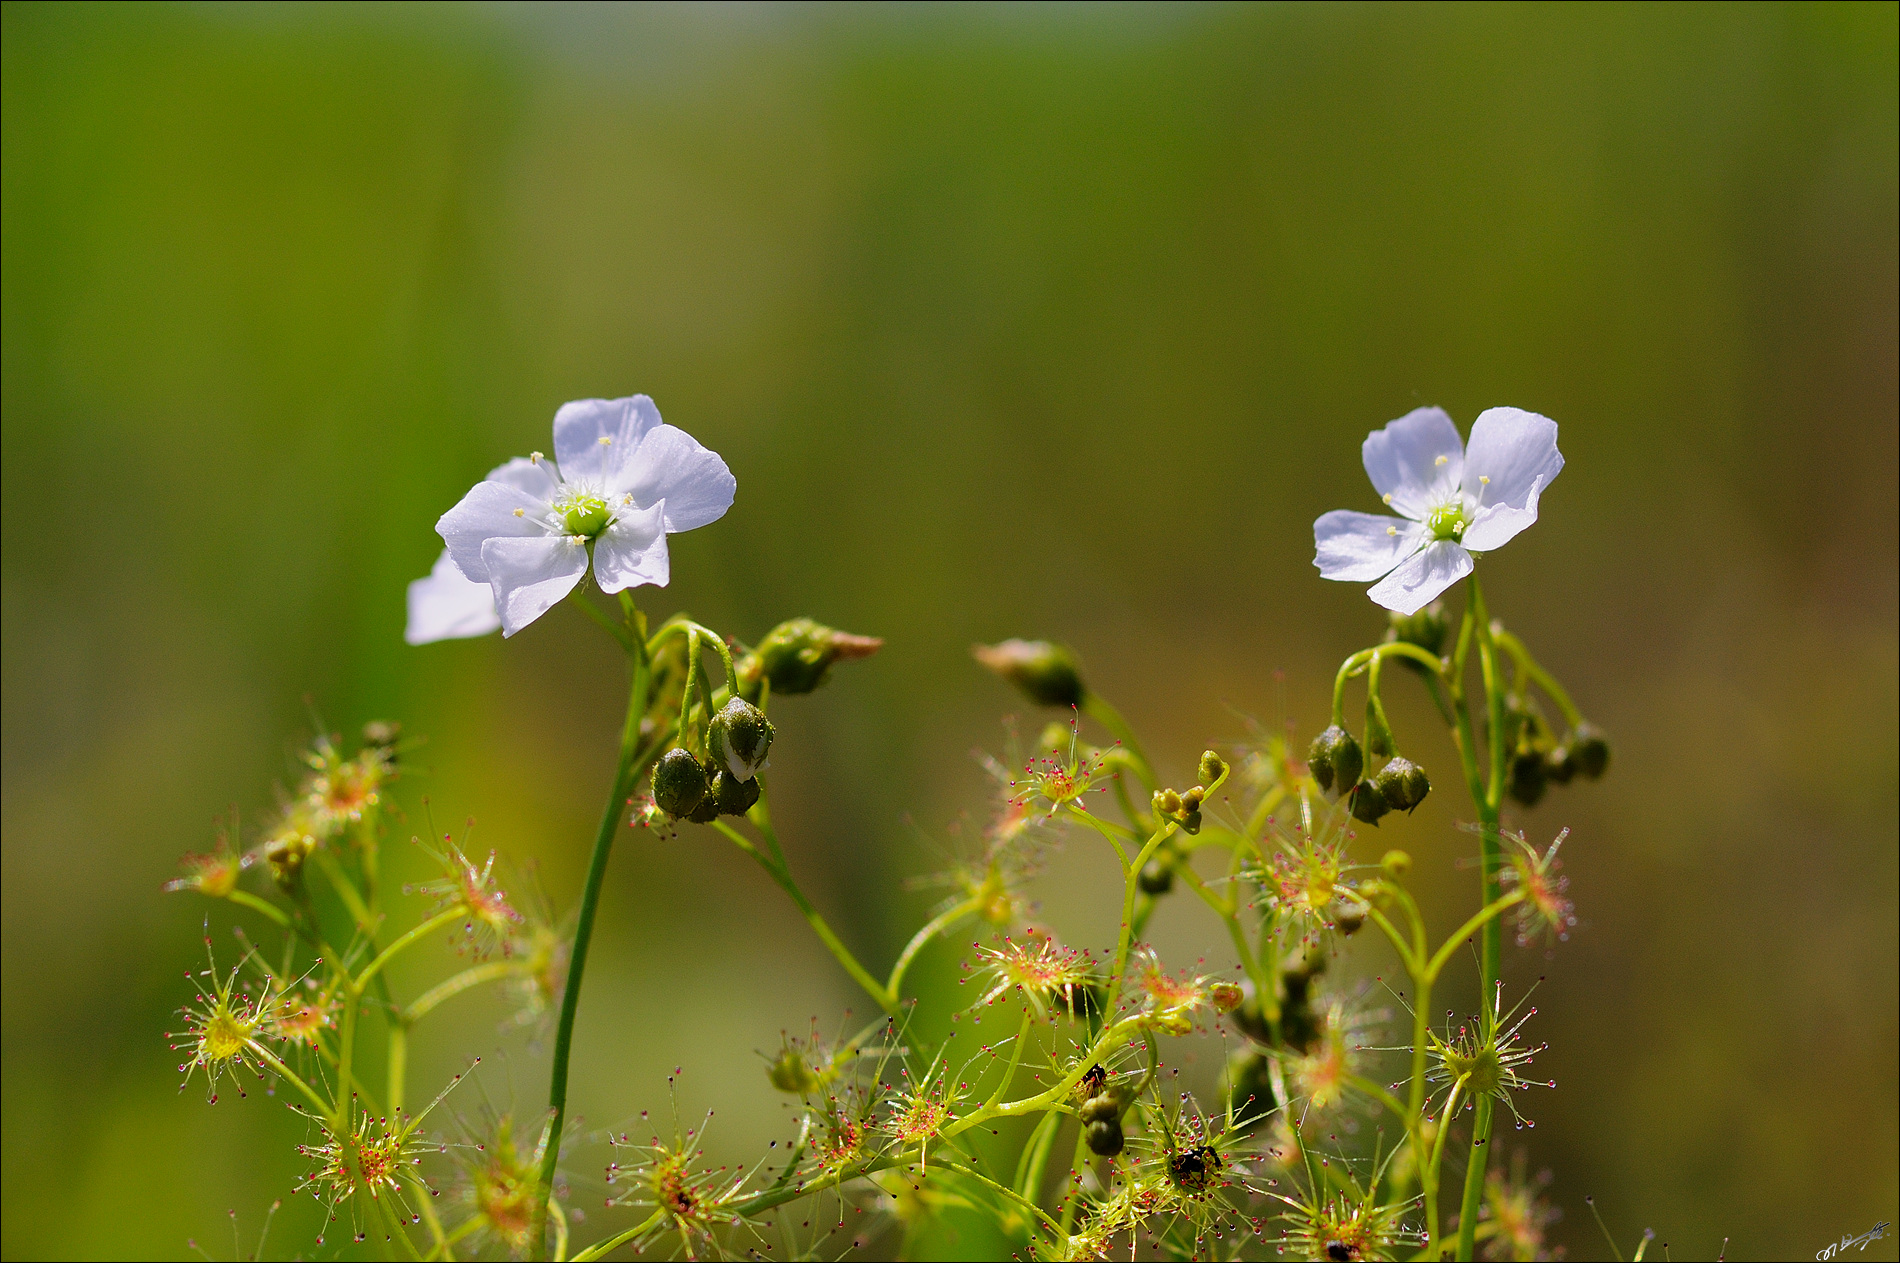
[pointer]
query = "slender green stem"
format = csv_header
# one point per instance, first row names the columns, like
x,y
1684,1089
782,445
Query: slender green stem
x,y
602,1249
271,1059
245,898
618,631
1009,1194
1131,886
583,935
935,926
345,889
1481,918
886,998
1015,1059
1035,1156
1543,679
434,923
473,976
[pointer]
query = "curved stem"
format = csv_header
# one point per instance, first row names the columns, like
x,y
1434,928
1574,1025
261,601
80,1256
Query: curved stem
x,y
245,898
436,922
1008,1194
1483,917
935,926
1131,886
583,934
473,976
602,1249
886,998
272,1060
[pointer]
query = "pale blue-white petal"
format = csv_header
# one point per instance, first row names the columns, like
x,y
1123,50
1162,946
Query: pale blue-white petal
x,y
671,465
594,438
1513,456
534,477
1359,547
1415,462
488,511
632,551
530,575
447,606
1494,526
1419,581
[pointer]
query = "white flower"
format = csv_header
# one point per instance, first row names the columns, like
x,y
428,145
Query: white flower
x,y
620,482
445,605
1456,501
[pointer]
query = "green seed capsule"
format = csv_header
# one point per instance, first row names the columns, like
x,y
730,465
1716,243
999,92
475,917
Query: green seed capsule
x,y
1100,1108
732,796
1334,759
1212,768
1560,765
1046,673
1157,877
679,783
1591,749
739,738
1368,804
1105,1138
1527,778
1403,784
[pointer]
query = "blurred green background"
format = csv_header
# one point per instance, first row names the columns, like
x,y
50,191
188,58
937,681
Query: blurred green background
x,y
1041,321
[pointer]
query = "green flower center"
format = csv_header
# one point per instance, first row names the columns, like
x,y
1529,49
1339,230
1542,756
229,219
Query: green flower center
x,y
1447,522
584,513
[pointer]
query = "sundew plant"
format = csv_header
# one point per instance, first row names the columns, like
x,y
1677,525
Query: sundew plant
x,y
1351,1121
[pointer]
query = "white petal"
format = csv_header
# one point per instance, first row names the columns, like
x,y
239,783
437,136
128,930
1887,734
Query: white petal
x,y
671,465
1359,547
533,477
1418,582
490,510
530,575
1416,461
446,605
1517,452
633,550
593,438
1494,526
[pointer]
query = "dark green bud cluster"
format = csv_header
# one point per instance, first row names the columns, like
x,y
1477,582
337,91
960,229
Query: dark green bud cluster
x,y
1335,760
1368,804
1048,674
1427,629
687,789
1539,760
1182,808
796,657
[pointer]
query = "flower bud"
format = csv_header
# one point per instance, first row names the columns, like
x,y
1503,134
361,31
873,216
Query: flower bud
x,y
1157,877
731,796
1560,765
679,783
1334,759
1396,863
1192,800
1167,802
1426,629
789,1073
1105,1138
1048,674
1368,804
1527,779
796,656
1348,916
1212,768
739,738
1403,784
1226,997
1099,1109
1591,749
285,853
